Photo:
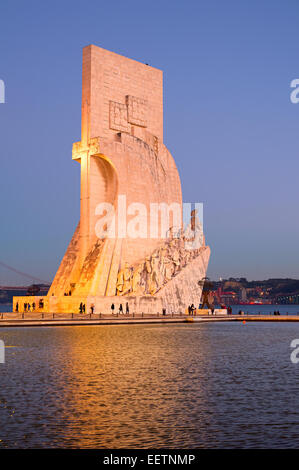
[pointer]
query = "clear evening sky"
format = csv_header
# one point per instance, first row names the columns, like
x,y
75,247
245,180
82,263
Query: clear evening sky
x,y
229,122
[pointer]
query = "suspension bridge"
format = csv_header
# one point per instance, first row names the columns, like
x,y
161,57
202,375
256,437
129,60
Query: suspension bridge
x,y
23,274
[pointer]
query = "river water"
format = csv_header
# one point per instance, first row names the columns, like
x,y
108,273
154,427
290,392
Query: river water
x,y
210,385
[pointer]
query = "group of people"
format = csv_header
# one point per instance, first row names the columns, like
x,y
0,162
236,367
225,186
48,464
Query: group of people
x,y
82,308
27,307
121,310
192,310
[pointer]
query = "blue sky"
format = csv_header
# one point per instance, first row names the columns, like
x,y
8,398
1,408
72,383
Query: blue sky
x,y
229,122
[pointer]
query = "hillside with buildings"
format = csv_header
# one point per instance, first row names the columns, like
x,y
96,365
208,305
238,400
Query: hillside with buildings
x,y
241,291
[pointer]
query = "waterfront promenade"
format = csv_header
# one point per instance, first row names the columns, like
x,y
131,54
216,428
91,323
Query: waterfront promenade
x,y
31,319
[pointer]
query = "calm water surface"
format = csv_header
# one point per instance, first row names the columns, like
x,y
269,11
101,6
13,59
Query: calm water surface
x,y
186,386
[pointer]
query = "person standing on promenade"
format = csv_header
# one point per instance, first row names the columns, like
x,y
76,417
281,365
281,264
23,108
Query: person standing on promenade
x,y
112,309
127,309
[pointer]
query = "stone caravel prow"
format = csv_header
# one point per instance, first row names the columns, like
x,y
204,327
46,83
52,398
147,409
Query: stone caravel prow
x,y
124,162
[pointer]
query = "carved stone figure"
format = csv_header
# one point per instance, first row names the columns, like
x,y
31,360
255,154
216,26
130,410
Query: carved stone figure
x,y
162,255
155,281
120,283
147,274
127,279
193,234
124,280
168,266
137,287
175,256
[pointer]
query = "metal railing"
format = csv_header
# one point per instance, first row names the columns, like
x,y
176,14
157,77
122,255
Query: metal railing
x,y
267,314
46,316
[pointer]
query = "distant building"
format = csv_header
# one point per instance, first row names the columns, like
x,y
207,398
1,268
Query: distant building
x,y
229,298
243,295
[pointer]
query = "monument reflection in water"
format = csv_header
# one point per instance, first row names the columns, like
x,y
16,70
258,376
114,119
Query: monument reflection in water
x,y
126,166
150,386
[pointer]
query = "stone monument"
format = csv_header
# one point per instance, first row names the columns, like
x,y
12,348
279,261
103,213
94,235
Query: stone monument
x,y
126,167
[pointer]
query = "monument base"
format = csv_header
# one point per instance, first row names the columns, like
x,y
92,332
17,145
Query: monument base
x,y
175,296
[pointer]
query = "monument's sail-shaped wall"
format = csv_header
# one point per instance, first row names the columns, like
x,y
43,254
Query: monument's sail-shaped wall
x,y
125,165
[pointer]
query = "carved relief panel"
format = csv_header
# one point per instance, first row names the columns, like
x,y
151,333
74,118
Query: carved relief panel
x,y
118,117
133,112
137,111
